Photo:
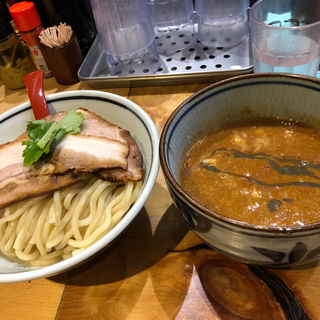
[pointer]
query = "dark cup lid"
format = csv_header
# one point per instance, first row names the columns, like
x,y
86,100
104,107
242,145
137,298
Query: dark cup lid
x,y
5,21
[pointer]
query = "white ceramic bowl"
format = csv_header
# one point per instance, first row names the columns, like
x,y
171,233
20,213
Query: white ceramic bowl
x,y
249,96
115,109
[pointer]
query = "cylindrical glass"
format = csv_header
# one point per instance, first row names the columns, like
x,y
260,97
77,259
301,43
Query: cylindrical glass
x,y
222,23
126,35
174,24
286,36
15,62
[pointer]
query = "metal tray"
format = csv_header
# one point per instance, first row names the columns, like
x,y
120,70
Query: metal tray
x,y
197,63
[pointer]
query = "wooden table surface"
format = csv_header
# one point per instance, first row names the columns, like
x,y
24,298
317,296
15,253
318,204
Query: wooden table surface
x,y
159,269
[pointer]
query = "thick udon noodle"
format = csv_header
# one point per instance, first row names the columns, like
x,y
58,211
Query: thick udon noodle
x,y
46,229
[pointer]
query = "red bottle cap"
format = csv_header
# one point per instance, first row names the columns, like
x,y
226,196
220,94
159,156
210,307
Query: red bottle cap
x,y
25,15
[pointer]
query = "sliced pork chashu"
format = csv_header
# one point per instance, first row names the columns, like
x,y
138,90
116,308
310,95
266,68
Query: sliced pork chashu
x,y
95,125
134,169
99,148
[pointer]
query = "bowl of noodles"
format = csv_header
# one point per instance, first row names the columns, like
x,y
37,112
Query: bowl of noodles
x,y
55,214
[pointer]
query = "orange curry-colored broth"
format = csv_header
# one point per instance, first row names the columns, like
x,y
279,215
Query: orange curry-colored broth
x,y
264,172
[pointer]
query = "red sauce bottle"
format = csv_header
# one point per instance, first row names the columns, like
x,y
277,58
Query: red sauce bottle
x,y
28,22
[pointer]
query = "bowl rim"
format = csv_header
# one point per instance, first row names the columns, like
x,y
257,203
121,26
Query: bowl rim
x,y
106,240
198,206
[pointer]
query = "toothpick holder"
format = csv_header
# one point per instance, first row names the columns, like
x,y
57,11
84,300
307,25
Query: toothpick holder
x,y
64,61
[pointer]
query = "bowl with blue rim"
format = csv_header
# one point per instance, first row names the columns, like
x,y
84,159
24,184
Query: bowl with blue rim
x,y
113,108
242,98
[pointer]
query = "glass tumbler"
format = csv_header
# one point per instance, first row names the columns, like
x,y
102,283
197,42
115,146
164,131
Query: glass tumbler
x,y
126,34
285,36
173,24
222,23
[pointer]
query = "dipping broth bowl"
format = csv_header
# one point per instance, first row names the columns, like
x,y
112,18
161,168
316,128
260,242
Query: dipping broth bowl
x,y
115,109
250,96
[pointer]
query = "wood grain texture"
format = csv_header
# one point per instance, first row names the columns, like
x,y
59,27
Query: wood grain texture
x,y
34,300
289,302
12,98
231,288
160,102
157,269
195,284
304,282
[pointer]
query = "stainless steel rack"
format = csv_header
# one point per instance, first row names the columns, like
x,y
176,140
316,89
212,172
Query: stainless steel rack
x,y
194,64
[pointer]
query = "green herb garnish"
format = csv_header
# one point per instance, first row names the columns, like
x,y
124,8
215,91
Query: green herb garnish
x,y
44,136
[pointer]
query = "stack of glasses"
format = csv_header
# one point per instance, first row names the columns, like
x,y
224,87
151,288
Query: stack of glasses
x,y
133,33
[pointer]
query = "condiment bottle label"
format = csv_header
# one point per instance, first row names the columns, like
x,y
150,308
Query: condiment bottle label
x,y
38,59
